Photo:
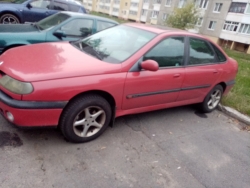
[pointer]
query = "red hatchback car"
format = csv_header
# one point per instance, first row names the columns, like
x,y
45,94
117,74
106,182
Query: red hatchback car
x,y
82,86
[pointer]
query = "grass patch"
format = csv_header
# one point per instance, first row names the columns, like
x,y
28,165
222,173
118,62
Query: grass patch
x,y
119,20
239,97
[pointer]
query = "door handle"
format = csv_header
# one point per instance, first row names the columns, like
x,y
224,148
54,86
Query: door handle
x,y
215,71
176,75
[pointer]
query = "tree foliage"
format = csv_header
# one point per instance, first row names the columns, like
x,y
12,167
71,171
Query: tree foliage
x,y
183,18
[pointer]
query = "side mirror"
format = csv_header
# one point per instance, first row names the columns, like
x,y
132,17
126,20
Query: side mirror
x,y
29,6
59,34
150,65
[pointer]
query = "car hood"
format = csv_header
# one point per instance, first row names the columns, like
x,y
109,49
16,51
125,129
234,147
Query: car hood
x,y
17,28
48,61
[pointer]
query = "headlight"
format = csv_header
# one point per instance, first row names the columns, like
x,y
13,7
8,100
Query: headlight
x,y
16,86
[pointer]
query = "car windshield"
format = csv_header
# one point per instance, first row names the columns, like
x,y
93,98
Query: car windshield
x,y
52,21
116,44
18,1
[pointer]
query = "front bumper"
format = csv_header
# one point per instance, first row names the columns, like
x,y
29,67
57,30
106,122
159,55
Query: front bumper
x,y
31,113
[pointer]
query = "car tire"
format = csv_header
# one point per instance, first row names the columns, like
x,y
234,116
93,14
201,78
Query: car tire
x,y
85,118
9,19
212,99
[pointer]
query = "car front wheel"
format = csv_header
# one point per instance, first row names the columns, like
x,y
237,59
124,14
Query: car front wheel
x,y
85,118
212,99
9,19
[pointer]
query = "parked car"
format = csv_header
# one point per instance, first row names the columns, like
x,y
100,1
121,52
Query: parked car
x,y
82,86
63,26
20,11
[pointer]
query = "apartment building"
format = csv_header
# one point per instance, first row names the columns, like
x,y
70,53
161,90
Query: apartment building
x,y
226,22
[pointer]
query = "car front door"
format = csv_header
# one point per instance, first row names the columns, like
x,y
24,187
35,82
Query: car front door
x,y
77,28
37,10
146,88
202,71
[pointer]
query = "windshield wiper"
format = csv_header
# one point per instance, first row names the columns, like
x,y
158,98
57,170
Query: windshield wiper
x,y
88,49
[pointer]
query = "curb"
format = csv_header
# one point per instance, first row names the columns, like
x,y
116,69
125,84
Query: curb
x,y
235,114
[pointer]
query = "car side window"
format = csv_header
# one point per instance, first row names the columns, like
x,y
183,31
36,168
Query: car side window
x,y
101,25
78,27
60,6
41,4
74,8
168,53
200,52
219,54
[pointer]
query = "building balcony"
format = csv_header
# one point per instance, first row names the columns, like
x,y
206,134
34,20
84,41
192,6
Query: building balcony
x,y
143,18
134,8
157,7
145,6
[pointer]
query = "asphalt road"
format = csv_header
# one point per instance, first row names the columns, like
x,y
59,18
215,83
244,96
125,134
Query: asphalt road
x,y
176,147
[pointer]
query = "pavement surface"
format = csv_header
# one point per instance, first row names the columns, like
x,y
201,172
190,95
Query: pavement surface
x,y
176,147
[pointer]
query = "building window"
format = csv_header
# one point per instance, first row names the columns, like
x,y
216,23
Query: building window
x,y
165,16
181,3
245,28
212,25
168,3
116,1
201,3
157,1
134,4
115,10
131,12
107,1
124,12
144,12
199,21
146,1
155,14
217,7
231,26
237,7
248,9
126,4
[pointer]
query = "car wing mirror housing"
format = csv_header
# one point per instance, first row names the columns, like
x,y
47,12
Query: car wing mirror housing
x,y
149,65
59,34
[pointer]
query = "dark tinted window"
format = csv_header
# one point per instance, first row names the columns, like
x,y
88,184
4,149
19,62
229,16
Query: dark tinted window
x,y
200,52
168,53
74,8
78,27
219,54
237,7
60,6
103,25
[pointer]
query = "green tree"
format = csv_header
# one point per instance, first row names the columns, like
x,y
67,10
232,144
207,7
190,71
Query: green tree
x,y
183,18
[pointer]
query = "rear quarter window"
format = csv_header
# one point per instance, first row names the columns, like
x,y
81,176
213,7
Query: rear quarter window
x,y
220,55
60,6
101,25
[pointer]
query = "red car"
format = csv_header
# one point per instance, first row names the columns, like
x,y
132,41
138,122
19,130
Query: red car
x,y
82,86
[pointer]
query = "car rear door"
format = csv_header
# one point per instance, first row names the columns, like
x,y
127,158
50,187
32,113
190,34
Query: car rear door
x,y
146,88
202,71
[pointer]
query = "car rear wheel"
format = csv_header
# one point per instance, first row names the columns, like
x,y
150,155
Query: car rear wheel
x,y
9,19
212,99
85,118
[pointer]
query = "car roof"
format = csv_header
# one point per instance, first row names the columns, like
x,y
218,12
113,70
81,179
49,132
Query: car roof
x,y
81,15
163,29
